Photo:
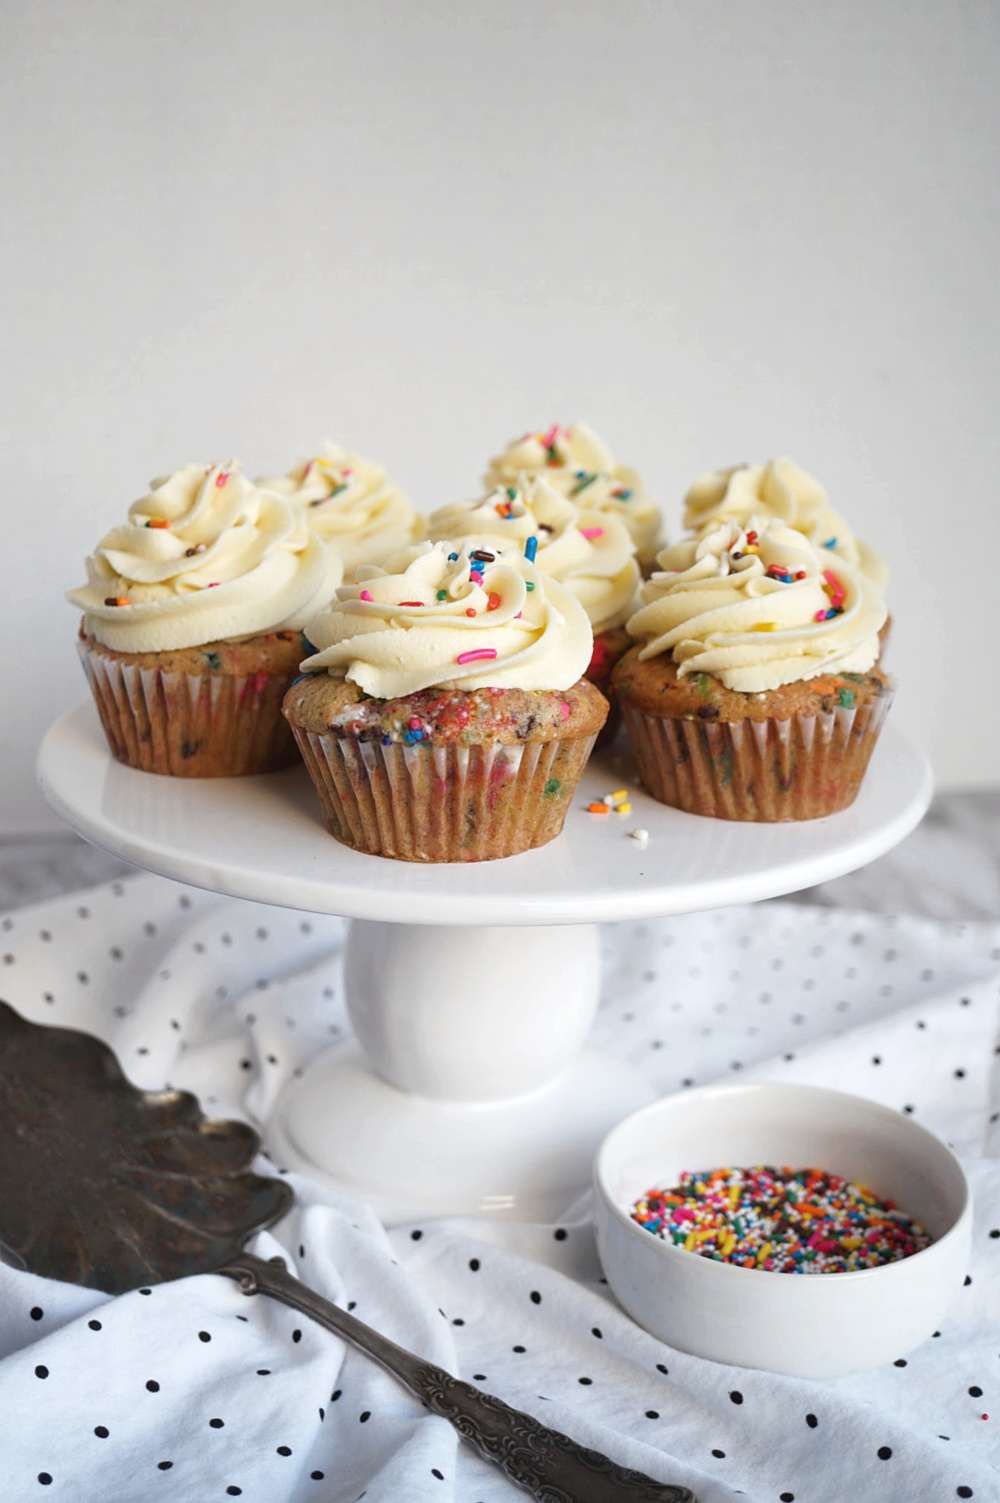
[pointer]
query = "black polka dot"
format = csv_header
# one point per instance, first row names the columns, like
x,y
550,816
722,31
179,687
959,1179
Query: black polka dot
x,y
474,1264
899,1362
234,1492
596,1331
416,1236
812,1421
968,1280
876,1059
317,1476
963,1491
585,1381
959,1074
37,1312
164,1466
995,1232
335,1395
718,1453
518,1349
975,1391
204,1336
884,1452
102,1432
296,1335
652,1414
44,1478
153,1386
217,1424
560,1234
736,1396
437,1474
479,1377
536,1298
661,1369
364,1416
458,1321
787,1497
263,1372
145,1291
41,1371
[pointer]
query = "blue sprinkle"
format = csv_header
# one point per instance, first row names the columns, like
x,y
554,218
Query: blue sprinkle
x,y
386,740
453,558
830,543
301,677
530,549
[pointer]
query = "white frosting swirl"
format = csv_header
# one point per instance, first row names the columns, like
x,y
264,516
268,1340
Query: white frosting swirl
x,y
581,466
205,557
590,552
759,614
430,624
779,489
351,503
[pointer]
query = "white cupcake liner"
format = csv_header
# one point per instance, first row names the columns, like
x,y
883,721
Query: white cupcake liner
x,y
770,770
443,803
190,725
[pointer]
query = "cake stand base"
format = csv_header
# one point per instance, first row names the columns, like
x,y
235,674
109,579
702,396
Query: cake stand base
x,y
527,1157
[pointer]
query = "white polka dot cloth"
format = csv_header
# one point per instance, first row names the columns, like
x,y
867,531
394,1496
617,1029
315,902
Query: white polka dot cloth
x,y
192,1392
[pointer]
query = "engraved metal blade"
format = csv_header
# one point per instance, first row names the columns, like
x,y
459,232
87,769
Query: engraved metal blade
x,y
109,1186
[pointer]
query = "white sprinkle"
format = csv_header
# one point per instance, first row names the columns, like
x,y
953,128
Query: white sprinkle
x,y
641,837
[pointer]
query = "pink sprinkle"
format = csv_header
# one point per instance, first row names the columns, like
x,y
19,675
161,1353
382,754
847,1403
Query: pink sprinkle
x,y
548,439
820,616
564,711
221,478
518,616
347,472
214,585
480,652
366,595
592,532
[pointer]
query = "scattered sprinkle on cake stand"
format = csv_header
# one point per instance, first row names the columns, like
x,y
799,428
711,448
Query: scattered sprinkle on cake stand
x,y
471,987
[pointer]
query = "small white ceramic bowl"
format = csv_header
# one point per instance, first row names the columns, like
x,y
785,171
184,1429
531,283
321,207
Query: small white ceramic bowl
x,y
806,1325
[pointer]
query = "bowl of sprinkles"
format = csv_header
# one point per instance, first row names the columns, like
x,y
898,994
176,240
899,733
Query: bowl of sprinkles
x,y
786,1227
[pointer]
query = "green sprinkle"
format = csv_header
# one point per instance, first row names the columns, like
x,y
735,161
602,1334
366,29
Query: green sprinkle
x,y
855,678
701,679
529,585
342,486
846,697
512,492
552,787
442,594
581,485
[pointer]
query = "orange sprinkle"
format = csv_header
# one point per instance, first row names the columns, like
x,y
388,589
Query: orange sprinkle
x,y
157,522
597,808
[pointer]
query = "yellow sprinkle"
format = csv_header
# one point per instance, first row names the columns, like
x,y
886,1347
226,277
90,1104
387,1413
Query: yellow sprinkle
x,y
728,1245
620,793
763,1252
625,808
689,1242
765,626
750,548
851,1243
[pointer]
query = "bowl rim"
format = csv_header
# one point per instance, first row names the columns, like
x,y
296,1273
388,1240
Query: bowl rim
x,y
755,1087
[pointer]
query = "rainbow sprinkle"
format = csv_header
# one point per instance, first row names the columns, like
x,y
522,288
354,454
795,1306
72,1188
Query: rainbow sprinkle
x,y
781,1220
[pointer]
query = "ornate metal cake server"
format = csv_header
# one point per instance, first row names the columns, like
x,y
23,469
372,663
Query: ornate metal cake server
x,y
105,1185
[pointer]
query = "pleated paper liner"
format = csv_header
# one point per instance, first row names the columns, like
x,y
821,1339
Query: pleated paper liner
x,y
443,803
768,770
191,725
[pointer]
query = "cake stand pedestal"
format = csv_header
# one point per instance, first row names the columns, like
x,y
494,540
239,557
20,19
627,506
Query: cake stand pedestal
x,y
471,988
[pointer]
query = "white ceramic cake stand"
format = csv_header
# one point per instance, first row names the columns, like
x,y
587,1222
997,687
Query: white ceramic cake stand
x,y
471,987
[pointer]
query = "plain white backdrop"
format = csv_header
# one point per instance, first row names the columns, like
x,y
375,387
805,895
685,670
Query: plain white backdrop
x,y
716,231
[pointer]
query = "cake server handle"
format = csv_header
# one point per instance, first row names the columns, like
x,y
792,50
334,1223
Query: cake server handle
x,y
546,1463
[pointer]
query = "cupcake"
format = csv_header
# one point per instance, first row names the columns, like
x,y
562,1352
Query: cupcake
x,y
580,466
781,490
443,716
591,553
352,504
755,694
192,626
